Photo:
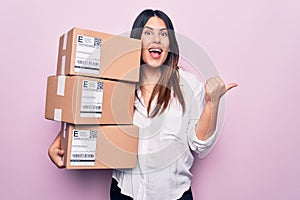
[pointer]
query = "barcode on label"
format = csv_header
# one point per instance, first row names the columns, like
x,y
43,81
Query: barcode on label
x,y
83,155
88,62
93,134
91,107
100,85
97,41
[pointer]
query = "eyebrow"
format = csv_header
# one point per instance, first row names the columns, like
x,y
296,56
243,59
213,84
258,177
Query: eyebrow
x,y
162,29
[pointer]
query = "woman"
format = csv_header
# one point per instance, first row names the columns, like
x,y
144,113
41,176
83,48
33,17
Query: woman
x,y
175,113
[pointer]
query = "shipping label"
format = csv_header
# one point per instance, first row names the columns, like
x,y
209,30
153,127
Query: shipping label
x,y
83,149
87,58
91,99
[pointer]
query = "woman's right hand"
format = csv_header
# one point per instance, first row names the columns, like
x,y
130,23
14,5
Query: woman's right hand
x,y
56,153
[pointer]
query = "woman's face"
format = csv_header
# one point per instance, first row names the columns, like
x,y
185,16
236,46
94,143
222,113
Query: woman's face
x,y
155,42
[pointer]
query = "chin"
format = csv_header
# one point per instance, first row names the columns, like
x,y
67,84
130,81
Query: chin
x,y
154,65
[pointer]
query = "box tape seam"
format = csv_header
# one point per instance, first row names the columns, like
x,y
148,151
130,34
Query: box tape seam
x,y
63,64
64,129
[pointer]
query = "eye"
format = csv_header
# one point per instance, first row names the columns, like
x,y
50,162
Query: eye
x,y
148,33
164,34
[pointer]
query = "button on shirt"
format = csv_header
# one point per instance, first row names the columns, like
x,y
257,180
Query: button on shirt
x,y
165,143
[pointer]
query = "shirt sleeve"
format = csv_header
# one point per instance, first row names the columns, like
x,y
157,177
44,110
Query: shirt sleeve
x,y
202,147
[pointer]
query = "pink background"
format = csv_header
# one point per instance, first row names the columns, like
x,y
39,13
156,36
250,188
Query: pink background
x,y
254,43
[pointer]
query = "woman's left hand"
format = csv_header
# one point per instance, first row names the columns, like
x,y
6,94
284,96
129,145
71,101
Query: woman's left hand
x,y
215,89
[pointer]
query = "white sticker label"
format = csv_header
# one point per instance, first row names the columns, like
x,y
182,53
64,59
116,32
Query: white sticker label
x,y
61,82
83,149
91,99
65,41
57,114
87,58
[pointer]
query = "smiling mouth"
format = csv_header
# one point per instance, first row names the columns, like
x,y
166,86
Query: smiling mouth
x,y
155,52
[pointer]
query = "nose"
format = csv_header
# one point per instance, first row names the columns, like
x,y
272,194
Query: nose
x,y
156,38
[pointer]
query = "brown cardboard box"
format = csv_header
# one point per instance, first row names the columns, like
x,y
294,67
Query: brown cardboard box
x,y
99,147
86,100
96,54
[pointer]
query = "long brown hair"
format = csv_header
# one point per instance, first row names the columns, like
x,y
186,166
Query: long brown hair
x,y
169,70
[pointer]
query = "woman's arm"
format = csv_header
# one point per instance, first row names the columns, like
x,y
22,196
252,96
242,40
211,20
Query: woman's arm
x,y
214,90
55,152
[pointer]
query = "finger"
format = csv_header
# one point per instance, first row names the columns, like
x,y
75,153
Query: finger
x,y
221,84
60,152
212,83
209,87
60,164
220,81
58,160
230,86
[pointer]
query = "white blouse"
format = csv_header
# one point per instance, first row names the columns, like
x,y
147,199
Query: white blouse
x,y
164,156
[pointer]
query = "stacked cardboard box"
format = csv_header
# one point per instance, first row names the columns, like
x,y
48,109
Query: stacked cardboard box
x,y
99,146
86,100
93,95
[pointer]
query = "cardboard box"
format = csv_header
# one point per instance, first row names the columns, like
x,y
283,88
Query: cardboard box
x,y
99,147
96,54
86,100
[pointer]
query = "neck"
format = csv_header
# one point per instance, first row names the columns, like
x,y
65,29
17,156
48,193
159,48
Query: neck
x,y
150,75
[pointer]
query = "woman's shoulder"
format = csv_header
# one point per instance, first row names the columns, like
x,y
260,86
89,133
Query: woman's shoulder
x,y
189,77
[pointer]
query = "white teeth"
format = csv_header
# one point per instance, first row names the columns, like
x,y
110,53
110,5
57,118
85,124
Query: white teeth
x,y
155,50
